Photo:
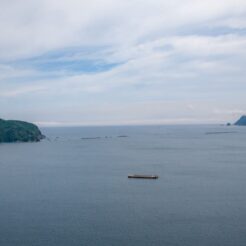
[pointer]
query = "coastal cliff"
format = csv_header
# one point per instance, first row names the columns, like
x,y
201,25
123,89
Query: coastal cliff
x,y
241,121
19,131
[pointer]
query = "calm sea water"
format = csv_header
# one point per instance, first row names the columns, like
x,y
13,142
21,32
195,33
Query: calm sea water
x,y
69,191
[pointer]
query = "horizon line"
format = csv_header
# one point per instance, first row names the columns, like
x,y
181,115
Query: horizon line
x,y
52,124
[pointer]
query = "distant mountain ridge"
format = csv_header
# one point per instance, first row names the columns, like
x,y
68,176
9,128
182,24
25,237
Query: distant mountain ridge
x,y
241,121
19,131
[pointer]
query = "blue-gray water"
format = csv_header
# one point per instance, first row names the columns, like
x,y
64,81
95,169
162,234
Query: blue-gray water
x,y
74,192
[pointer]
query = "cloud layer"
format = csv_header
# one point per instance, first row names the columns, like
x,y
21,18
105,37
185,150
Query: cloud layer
x,y
122,62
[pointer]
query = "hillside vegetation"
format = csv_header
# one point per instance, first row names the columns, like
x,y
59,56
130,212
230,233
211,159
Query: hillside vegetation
x,y
19,131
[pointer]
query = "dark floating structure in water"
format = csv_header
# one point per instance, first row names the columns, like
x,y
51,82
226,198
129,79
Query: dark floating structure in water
x,y
137,176
209,133
90,138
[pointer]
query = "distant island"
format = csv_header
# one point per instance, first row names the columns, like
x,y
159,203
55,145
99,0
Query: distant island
x,y
19,131
241,121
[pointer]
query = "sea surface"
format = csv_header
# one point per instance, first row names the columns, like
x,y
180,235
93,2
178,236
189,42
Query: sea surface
x,y
72,188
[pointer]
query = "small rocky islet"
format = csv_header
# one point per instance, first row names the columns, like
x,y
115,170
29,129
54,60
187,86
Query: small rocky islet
x,y
241,121
19,131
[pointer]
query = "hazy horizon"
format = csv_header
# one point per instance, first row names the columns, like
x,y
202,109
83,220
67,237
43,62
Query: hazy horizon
x,y
183,122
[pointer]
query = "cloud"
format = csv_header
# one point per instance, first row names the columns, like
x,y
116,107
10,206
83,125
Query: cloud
x,y
10,93
29,28
61,54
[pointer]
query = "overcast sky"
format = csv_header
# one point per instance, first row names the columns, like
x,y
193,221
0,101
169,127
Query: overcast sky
x,y
104,62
